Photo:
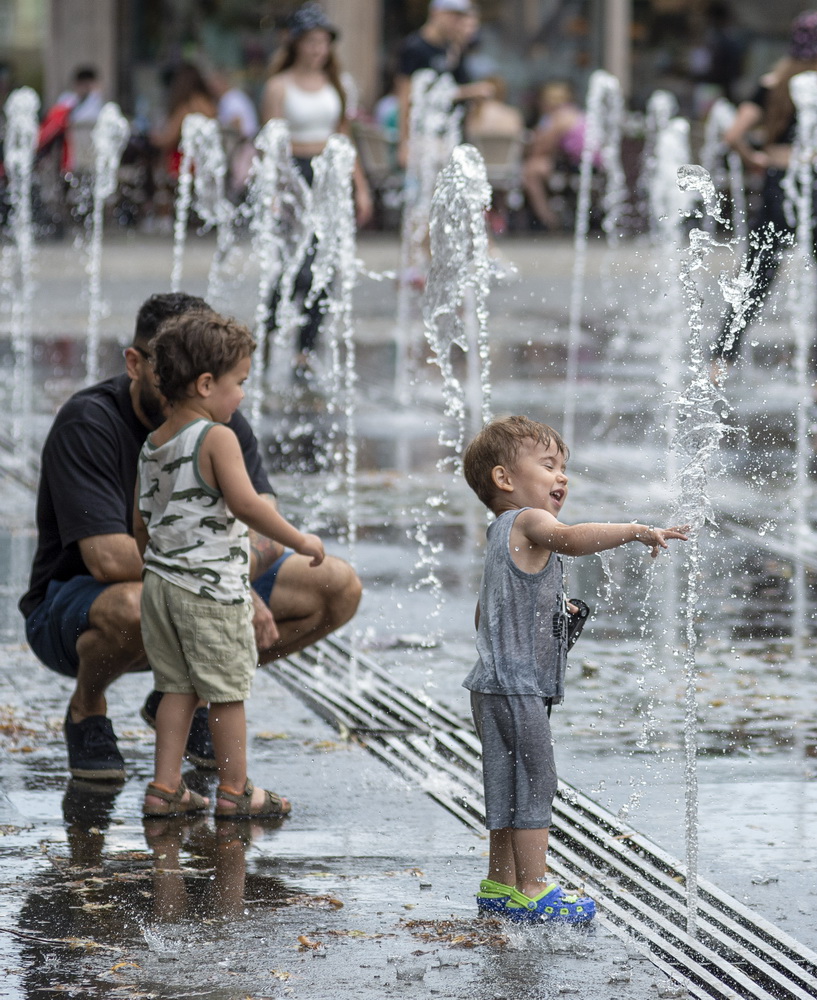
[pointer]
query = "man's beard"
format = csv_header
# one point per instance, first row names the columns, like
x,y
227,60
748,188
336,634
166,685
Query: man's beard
x,y
151,405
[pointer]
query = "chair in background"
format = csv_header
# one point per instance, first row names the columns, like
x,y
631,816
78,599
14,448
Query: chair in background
x,y
503,156
379,158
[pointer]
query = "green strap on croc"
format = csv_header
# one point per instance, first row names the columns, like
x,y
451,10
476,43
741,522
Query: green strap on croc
x,y
488,889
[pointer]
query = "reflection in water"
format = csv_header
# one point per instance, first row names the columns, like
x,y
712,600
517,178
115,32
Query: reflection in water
x,y
94,910
213,882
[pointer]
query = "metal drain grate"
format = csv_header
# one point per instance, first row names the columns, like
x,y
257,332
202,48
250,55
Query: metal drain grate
x,y
736,954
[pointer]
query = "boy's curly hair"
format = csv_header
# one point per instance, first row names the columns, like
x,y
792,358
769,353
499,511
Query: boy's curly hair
x,y
498,443
193,343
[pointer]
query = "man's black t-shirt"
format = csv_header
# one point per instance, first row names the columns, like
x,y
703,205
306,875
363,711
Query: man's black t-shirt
x,y
416,53
88,477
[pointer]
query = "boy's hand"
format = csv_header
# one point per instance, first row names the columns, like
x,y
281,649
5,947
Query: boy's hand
x,y
311,545
656,538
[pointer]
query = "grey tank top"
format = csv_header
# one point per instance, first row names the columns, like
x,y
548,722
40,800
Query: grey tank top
x,y
522,634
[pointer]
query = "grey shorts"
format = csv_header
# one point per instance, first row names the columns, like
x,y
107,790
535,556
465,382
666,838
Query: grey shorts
x,y
518,766
196,645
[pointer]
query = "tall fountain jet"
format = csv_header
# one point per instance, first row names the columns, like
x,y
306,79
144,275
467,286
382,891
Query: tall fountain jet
x,y
455,304
456,316
602,147
714,152
273,203
20,146
799,187
434,131
698,431
109,137
202,186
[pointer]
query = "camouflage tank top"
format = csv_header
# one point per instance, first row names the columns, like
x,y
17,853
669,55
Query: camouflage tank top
x,y
195,542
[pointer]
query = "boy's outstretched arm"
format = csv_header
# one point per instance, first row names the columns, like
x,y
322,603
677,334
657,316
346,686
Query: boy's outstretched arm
x,y
542,529
222,450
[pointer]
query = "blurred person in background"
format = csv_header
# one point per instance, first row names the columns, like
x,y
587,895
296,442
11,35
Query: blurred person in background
x,y
762,133
493,115
305,89
502,128
441,45
238,118
558,138
79,105
189,93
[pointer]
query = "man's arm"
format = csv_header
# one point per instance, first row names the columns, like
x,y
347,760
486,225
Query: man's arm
x,y
111,558
263,551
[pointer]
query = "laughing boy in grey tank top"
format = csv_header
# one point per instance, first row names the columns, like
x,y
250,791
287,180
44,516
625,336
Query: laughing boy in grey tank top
x,y
517,469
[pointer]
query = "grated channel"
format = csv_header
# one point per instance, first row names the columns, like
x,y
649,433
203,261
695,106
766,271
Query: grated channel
x,y
735,954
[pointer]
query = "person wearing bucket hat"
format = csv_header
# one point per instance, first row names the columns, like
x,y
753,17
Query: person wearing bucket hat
x,y
308,18
771,114
304,88
439,45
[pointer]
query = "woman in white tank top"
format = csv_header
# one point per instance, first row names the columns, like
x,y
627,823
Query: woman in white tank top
x,y
304,89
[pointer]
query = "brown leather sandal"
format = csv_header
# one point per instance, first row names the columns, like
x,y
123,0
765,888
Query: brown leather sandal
x,y
273,807
174,806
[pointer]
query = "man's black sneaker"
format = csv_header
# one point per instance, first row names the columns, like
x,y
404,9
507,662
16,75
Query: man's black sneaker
x,y
92,750
199,750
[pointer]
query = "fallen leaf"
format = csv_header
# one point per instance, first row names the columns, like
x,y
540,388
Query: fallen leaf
x,y
307,944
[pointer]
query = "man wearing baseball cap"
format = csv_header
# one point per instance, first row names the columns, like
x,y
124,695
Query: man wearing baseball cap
x,y
437,45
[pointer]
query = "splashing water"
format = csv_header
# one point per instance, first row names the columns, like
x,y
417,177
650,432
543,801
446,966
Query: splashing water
x,y
201,186
455,314
457,289
662,107
699,429
322,222
274,205
434,131
334,273
20,145
109,137
714,152
602,147
798,185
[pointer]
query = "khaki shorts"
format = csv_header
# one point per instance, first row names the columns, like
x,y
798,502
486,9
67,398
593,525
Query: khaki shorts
x,y
196,645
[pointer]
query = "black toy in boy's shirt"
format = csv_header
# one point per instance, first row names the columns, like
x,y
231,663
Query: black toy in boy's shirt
x,y
576,620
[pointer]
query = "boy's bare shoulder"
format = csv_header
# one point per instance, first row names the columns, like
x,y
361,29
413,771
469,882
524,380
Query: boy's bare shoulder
x,y
219,436
535,517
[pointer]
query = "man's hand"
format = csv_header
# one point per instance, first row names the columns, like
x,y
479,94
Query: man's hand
x,y
266,631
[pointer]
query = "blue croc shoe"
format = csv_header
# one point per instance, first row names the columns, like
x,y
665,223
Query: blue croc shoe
x,y
492,897
551,905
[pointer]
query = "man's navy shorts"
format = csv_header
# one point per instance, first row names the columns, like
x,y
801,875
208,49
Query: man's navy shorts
x,y
54,627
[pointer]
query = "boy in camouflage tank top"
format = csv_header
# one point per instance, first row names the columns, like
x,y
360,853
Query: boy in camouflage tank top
x,y
193,505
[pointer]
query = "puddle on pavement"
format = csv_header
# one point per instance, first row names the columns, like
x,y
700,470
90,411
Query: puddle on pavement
x,y
154,900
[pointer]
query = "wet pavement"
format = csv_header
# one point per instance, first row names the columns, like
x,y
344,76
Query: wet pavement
x,y
368,888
